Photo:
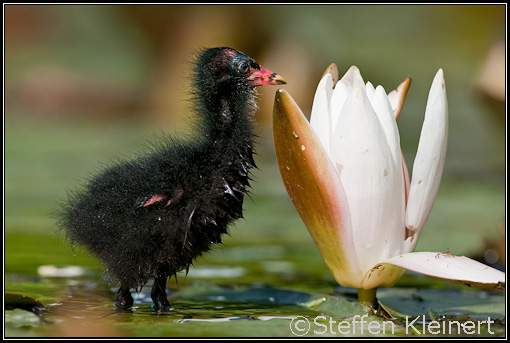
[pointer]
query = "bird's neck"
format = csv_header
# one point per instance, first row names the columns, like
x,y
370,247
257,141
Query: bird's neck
x,y
228,120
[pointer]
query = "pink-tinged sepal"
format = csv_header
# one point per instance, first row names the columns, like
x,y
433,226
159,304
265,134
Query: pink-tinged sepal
x,y
314,188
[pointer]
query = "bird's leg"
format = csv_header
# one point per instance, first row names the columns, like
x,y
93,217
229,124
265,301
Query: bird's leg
x,y
123,299
158,293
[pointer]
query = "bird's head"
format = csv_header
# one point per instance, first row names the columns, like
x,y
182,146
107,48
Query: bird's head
x,y
224,84
226,69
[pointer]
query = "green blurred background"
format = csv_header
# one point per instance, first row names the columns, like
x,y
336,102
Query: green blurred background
x,y
87,83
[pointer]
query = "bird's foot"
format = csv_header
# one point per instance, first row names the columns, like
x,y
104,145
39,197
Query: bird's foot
x,y
161,304
158,295
123,299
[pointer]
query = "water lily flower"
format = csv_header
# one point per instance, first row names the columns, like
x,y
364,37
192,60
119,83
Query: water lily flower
x,y
346,175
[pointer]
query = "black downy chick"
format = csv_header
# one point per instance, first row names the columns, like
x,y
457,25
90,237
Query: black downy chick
x,y
151,217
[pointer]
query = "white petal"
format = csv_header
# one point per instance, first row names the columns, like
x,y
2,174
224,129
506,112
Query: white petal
x,y
353,79
320,119
372,182
430,157
370,89
450,267
398,96
382,276
394,98
338,98
388,123
384,111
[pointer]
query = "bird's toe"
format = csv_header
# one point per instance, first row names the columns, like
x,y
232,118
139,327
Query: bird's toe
x,y
123,299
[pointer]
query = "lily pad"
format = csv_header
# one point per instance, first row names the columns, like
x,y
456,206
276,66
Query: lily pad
x,y
256,294
415,302
19,323
18,301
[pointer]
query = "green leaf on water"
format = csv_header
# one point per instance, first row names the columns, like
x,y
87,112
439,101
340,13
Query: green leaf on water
x,y
414,302
18,323
18,301
255,294
338,307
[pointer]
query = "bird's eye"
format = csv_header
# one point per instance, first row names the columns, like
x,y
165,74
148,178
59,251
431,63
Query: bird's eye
x,y
243,67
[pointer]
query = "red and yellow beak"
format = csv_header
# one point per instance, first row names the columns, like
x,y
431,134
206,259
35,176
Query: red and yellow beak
x,y
265,77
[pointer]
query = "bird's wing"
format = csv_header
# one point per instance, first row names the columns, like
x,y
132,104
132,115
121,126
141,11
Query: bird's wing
x,y
160,198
